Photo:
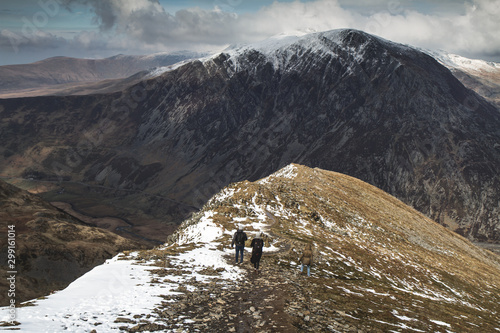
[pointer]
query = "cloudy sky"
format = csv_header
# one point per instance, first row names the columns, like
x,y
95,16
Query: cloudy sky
x,y
32,30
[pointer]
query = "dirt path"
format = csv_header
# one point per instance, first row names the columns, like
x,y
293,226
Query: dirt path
x,y
278,299
260,305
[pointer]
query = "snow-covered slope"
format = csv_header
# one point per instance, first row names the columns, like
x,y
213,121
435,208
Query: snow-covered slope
x,y
283,50
456,61
116,292
481,76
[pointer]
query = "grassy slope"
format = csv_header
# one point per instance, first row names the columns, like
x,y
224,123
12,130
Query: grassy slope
x,y
380,262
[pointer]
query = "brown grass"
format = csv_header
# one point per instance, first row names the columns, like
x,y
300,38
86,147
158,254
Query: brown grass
x,y
382,263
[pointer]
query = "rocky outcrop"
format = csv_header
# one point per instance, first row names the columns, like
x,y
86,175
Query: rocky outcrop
x,y
51,248
340,100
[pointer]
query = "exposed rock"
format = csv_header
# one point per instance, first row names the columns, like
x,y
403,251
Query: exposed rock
x,y
124,320
146,327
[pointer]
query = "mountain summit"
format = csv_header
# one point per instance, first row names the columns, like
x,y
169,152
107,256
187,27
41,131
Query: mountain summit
x,y
379,266
341,100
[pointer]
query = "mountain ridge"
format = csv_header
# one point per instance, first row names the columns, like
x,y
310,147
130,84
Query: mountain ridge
x,y
478,75
379,265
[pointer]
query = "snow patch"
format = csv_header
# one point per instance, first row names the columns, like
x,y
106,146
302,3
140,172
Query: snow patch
x,y
440,323
99,296
288,172
205,231
155,72
455,61
124,287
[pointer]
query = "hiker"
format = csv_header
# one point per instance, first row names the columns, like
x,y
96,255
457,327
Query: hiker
x,y
307,259
239,239
257,245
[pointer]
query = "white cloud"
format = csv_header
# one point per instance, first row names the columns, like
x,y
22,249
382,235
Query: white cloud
x,y
475,31
143,26
472,33
318,15
36,40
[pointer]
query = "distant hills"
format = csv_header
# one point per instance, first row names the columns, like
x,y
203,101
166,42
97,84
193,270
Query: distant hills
x,y
340,100
69,76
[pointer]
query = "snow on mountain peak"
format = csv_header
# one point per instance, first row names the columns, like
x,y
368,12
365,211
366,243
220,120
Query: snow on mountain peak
x,y
456,61
268,45
163,69
289,172
282,50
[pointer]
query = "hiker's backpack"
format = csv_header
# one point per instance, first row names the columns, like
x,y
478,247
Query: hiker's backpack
x,y
257,245
240,238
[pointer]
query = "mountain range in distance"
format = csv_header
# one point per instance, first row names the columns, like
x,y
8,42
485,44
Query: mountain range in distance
x,y
341,100
72,76
481,76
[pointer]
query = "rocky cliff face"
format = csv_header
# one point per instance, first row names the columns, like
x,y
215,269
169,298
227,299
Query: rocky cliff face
x,y
340,100
51,248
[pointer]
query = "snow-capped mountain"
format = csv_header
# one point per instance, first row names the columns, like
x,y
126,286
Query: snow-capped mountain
x,y
481,76
341,100
456,61
282,51
379,266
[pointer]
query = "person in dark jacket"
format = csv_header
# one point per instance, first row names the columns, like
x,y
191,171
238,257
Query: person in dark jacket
x,y
239,239
257,245
307,259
